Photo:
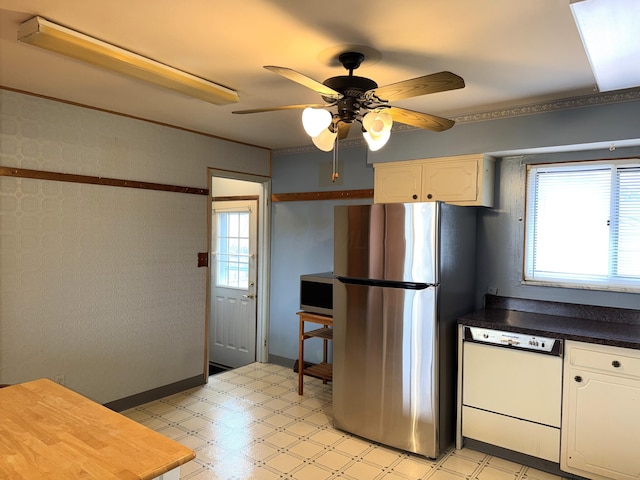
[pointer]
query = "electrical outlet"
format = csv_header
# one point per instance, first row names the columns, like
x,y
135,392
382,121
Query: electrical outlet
x,y
59,378
492,290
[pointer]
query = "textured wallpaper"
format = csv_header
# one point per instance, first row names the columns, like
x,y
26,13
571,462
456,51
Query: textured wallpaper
x,y
100,283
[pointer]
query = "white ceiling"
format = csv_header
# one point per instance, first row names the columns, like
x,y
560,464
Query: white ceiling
x,y
509,52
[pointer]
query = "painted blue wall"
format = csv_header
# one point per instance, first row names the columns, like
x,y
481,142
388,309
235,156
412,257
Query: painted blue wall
x,y
500,239
302,232
302,235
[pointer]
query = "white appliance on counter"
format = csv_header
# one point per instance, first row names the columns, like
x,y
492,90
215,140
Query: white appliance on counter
x,y
510,395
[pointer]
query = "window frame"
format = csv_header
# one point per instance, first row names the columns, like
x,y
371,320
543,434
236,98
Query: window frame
x,y
614,283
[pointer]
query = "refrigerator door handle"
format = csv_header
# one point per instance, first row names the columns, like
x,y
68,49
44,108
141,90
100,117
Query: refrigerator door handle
x,y
372,282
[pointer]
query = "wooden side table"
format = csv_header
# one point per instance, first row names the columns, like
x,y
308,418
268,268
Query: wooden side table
x,y
322,370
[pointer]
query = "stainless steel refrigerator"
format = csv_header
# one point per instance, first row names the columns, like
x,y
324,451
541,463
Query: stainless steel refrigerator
x,y
404,273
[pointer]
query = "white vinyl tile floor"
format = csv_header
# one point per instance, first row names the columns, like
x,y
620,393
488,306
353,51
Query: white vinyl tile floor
x,y
250,423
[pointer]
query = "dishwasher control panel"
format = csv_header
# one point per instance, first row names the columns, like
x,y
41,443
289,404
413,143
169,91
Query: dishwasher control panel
x,y
513,339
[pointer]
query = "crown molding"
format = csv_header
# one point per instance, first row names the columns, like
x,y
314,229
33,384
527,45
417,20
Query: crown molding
x,y
606,98
618,96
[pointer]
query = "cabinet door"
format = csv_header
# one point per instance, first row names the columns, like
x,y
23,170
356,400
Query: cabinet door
x,y
397,183
451,181
600,425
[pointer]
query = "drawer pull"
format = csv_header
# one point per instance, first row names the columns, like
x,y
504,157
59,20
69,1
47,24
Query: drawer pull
x,y
414,196
578,378
615,364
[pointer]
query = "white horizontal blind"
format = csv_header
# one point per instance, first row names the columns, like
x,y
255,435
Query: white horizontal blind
x,y
583,225
626,240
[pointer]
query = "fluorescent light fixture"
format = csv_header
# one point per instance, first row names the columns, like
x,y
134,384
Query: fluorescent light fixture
x,y
610,33
48,35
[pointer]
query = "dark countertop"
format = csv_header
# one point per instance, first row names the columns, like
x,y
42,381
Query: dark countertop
x,y
584,323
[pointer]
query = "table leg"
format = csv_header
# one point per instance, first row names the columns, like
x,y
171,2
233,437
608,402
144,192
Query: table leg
x,y
324,353
170,475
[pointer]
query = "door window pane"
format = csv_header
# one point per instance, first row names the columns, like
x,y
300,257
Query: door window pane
x,y
232,252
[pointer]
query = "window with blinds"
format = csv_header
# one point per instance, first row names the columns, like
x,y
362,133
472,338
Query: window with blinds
x,y
583,225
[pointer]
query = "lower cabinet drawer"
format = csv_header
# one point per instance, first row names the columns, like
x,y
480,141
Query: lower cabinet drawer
x,y
613,360
507,432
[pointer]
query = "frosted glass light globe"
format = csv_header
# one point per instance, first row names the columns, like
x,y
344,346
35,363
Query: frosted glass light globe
x,y
378,142
325,140
314,120
377,123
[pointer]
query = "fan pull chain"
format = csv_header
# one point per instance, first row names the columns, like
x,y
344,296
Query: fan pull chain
x,y
334,174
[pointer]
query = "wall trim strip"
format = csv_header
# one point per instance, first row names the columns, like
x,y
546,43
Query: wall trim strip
x,y
328,195
112,182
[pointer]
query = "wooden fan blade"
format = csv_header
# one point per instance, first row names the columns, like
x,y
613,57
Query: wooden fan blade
x,y
343,130
420,120
436,82
305,81
283,107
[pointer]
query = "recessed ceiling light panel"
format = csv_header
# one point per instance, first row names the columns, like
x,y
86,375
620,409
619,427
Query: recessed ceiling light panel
x,y
611,37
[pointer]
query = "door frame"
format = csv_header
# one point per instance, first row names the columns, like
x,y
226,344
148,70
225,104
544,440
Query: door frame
x,y
262,264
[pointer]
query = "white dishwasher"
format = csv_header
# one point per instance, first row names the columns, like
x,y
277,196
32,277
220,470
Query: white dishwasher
x,y
510,393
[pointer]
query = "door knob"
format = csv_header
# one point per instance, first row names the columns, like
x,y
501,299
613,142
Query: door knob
x,y
251,295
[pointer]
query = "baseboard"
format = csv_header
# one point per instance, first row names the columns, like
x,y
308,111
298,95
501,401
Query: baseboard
x,y
155,394
282,361
528,460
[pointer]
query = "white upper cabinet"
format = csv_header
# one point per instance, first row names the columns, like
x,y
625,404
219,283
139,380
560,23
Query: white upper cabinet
x,y
395,183
460,180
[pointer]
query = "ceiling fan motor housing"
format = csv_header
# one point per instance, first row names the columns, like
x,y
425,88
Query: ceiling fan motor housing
x,y
351,60
352,88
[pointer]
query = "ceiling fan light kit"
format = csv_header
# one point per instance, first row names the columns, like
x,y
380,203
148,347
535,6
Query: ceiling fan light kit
x,y
377,142
377,122
53,37
377,129
325,139
315,120
359,99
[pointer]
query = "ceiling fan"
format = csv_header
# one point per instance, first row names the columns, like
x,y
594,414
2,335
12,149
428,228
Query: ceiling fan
x,y
360,99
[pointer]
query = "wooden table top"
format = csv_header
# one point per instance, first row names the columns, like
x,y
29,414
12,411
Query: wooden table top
x,y
50,432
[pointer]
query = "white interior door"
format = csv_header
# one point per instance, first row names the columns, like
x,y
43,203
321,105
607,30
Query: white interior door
x,y
232,340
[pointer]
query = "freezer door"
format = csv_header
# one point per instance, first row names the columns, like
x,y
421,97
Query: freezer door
x,y
385,365
396,242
